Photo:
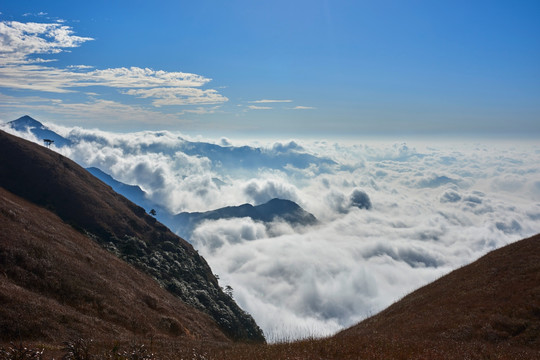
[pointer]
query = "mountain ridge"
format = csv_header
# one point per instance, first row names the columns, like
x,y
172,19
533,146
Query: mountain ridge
x,y
246,158
273,210
183,223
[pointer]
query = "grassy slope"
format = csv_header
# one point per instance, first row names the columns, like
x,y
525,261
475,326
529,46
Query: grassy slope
x,y
488,309
496,299
57,284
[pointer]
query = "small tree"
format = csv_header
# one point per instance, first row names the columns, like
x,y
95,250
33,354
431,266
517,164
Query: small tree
x,y
153,212
228,290
48,142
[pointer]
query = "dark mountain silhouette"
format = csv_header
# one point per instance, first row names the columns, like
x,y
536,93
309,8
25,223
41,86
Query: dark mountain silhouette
x,y
58,284
133,191
275,209
50,180
26,123
137,195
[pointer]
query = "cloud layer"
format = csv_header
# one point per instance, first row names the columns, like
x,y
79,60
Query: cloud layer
x,y
392,216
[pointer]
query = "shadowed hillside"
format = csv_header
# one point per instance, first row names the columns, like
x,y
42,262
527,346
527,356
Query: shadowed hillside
x,y
489,309
184,223
57,284
50,180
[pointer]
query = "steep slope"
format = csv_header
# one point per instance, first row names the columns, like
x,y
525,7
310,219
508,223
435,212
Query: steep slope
x,y
275,209
79,199
58,284
495,300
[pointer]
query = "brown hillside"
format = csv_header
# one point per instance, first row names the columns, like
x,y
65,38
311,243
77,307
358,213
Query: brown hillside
x,y
50,180
57,284
495,300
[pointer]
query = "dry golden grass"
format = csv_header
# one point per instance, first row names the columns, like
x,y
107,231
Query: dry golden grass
x,y
56,283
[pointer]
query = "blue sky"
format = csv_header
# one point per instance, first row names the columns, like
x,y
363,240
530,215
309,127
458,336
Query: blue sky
x,y
279,68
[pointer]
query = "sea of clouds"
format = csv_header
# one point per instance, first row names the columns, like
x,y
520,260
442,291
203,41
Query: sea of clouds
x,y
392,216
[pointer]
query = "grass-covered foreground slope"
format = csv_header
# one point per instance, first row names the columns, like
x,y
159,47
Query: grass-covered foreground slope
x,y
57,284
54,182
494,300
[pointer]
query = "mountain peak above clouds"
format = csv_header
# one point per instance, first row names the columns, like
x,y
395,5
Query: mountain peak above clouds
x,y
273,210
24,122
28,124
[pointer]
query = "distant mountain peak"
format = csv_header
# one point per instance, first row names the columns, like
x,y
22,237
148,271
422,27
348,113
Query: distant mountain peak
x,y
275,209
28,124
24,122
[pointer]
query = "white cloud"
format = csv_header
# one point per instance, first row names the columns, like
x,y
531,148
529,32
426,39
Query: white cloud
x,y
179,96
19,40
255,107
267,101
299,107
260,191
135,77
41,13
421,225
50,79
213,235
83,67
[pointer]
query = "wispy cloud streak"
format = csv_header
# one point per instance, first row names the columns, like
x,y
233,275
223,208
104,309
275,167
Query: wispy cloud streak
x,y
267,101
